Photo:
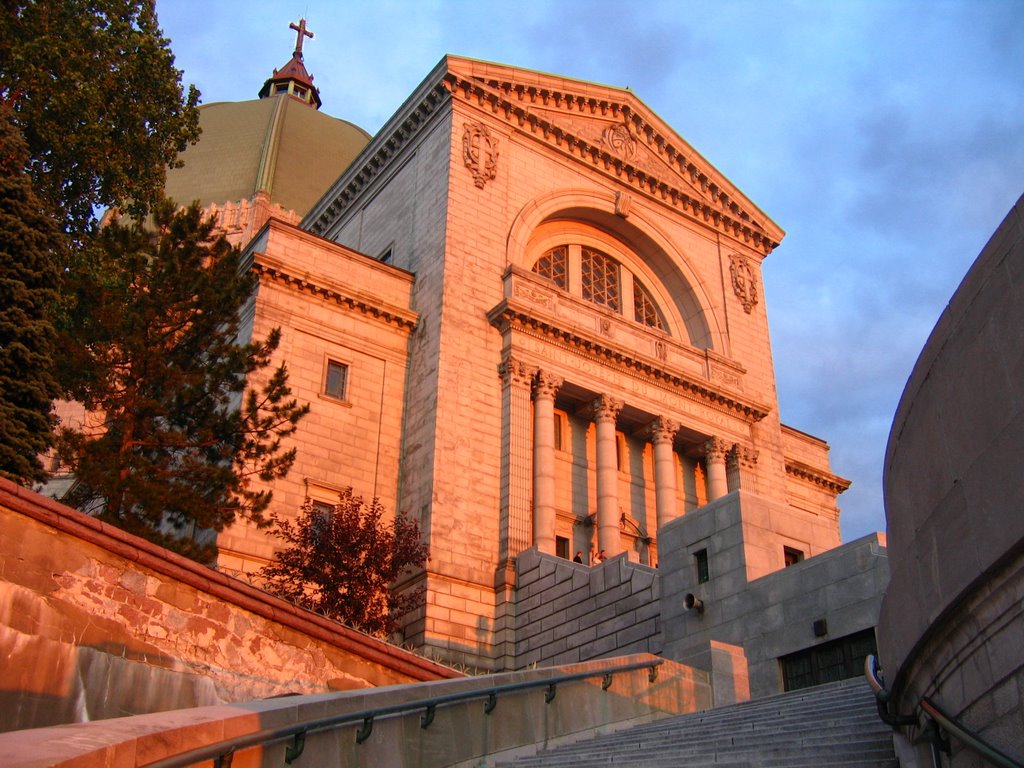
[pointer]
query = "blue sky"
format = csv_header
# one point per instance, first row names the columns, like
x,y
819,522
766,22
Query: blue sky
x,y
885,137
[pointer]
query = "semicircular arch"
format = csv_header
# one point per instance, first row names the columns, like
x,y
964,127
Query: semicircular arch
x,y
646,250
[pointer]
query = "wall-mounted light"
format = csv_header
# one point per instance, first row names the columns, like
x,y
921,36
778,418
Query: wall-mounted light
x,y
693,603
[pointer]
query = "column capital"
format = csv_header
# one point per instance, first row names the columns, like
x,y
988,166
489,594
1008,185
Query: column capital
x,y
514,370
742,456
716,449
662,430
546,384
605,408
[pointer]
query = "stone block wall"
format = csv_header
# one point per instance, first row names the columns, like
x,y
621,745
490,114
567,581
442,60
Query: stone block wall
x,y
567,612
750,599
96,623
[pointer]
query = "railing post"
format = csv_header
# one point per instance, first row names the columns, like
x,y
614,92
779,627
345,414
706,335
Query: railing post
x,y
294,749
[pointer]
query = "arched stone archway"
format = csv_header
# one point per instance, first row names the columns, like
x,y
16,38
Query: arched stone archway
x,y
646,249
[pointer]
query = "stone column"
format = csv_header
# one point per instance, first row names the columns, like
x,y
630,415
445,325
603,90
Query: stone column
x,y
715,451
516,479
605,410
662,432
741,466
545,385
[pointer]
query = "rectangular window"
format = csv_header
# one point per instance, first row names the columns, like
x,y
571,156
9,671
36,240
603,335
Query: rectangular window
x,y
322,512
701,560
562,547
336,380
791,556
560,431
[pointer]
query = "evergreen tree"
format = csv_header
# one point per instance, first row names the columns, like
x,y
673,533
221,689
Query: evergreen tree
x,y
93,88
150,349
343,563
27,290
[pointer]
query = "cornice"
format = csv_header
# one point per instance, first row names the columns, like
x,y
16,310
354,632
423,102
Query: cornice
x,y
507,316
528,108
385,146
276,271
825,480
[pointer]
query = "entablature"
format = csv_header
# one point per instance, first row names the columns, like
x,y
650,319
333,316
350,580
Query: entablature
x,y
827,481
535,309
268,268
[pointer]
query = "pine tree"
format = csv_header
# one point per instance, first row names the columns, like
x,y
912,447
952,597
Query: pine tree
x,y
92,86
27,292
343,562
150,348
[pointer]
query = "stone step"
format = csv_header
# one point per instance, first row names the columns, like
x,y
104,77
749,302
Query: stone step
x,y
685,744
836,725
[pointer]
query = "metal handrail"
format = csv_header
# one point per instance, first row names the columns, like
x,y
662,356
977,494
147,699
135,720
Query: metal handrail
x,y
967,736
221,752
932,710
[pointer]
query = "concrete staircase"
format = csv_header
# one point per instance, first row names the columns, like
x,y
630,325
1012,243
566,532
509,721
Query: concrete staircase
x,y
830,725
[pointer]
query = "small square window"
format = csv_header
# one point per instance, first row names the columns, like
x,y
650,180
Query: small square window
x,y
701,560
791,556
336,380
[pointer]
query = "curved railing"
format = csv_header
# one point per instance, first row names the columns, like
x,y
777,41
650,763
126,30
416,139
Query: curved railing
x,y
221,752
936,716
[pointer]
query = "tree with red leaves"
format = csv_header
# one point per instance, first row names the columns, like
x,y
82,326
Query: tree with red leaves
x,y
343,561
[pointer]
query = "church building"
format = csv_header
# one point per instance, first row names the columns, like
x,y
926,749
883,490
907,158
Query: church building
x,y
530,315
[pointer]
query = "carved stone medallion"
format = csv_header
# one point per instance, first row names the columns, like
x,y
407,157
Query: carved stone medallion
x,y
480,153
618,139
744,281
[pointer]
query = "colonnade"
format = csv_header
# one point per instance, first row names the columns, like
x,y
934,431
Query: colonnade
x,y
604,411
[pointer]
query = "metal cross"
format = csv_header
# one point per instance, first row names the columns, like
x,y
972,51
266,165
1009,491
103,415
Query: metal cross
x,y
300,28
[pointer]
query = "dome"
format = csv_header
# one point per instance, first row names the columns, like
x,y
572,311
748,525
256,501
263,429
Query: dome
x,y
278,150
278,145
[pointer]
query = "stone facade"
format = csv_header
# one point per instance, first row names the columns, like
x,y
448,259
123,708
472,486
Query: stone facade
x,y
591,358
530,315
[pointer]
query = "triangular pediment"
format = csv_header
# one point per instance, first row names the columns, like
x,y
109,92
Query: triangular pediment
x,y
614,132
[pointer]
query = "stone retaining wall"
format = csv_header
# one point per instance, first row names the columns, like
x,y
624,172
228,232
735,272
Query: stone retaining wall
x,y
567,612
96,623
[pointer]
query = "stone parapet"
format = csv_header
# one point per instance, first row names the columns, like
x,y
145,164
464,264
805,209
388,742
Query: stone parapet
x,y
461,734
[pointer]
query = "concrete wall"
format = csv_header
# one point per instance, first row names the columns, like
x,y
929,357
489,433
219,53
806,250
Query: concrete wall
x,y
461,735
96,623
750,599
568,612
953,618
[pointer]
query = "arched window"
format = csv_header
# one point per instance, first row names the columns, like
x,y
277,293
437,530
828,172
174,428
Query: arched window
x,y
644,309
553,265
600,279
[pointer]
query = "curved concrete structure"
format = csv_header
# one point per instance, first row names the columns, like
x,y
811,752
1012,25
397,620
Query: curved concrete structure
x,y
953,617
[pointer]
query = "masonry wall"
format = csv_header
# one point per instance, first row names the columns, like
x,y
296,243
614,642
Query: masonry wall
x,y
953,618
96,623
751,600
567,612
